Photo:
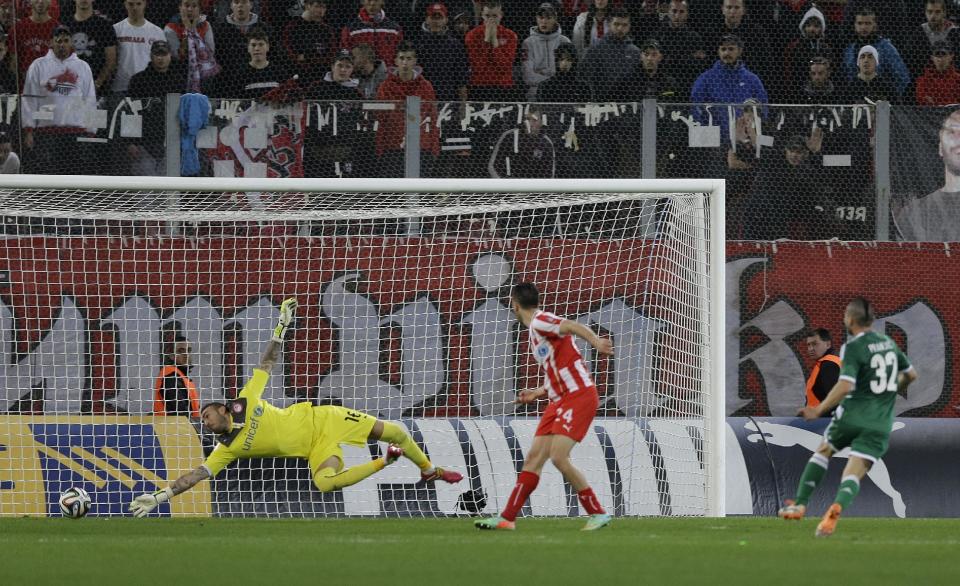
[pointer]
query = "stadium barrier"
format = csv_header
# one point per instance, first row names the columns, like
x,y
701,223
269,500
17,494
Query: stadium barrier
x,y
913,479
840,181
117,457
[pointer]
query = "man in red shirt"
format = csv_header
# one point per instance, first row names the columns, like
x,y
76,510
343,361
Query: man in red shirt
x,y
566,420
940,83
373,27
31,36
407,80
491,49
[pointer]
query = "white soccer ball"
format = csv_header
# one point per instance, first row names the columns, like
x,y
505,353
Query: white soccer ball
x,y
74,502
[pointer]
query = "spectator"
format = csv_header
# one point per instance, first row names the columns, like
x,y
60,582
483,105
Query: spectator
x,y
219,10
9,161
826,371
174,392
310,42
135,35
801,51
373,27
870,86
162,76
891,65
369,71
526,154
8,79
258,75
95,42
331,151
683,49
897,20
538,48
651,81
936,217
820,87
338,83
609,66
462,24
564,86
442,55
940,84
591,26
191,37
936,28
491,49
646,18
727,82
231,34
406,80
31,37
61,82
755,52
787,199
7,13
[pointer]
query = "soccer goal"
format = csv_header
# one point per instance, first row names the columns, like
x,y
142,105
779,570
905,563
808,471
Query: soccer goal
x,y
404,313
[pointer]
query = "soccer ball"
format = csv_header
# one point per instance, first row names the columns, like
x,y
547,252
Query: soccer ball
x,y
74,502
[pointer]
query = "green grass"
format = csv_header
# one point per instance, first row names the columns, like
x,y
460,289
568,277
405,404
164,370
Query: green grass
x,y
387,552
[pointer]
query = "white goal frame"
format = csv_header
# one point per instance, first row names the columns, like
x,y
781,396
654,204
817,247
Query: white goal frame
x,y
714,231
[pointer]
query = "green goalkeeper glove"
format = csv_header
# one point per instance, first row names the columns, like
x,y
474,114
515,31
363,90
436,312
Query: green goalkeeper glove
x,y
145,503
287,310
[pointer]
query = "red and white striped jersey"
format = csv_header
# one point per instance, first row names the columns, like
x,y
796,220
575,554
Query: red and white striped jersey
x,y
564,371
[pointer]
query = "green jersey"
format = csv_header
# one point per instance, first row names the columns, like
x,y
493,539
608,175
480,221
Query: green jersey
x,y
871,361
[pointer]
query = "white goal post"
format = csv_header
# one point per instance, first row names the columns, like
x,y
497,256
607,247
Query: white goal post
x,y
404,293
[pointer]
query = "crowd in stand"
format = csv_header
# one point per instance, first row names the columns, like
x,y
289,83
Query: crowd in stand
x,y
502,51
745,52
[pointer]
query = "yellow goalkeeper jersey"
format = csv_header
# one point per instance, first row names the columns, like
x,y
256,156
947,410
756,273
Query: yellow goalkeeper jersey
x,y
262,430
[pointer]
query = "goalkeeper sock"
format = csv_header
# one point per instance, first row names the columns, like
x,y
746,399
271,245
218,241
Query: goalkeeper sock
x,y
812,475
394,435
328,479
526,483
849,488
589,502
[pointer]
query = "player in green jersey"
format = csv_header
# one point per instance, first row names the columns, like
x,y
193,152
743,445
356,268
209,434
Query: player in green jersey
x,y
872,371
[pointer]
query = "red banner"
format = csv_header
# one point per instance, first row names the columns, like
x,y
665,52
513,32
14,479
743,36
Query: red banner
x,y
388,325
423,327
775,290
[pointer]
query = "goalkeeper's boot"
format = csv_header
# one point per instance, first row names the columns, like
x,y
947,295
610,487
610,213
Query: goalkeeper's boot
x,y
393,454
829,522
598,521
448,476
495,523
791,511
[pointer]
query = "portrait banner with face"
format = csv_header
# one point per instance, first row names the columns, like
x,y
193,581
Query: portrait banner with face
x,y
924,171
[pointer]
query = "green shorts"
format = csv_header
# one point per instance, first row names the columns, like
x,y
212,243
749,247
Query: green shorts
x,y
868,444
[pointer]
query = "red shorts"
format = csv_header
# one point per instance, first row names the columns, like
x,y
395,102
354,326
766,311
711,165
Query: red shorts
x,y
571,415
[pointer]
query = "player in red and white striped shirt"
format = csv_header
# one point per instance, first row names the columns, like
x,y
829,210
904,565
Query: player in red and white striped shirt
x,y
573,404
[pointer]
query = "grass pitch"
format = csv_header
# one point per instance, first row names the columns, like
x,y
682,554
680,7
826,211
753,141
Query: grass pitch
x,y
389,552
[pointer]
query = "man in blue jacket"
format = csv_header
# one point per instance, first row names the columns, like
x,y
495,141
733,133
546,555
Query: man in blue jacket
x,y
727,82
890,63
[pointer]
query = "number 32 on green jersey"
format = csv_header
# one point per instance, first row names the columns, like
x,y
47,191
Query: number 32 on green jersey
x,y
885,373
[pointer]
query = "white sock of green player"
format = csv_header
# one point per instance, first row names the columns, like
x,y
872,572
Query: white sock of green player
x,y
849,489
813,473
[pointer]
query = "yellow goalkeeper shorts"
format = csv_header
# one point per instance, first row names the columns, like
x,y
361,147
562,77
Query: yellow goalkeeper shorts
x,y
334,426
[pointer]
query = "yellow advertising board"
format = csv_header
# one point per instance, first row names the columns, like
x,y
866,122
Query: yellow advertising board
x,y
113,457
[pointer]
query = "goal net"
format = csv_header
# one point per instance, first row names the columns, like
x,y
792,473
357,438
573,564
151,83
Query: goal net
x,y
403,288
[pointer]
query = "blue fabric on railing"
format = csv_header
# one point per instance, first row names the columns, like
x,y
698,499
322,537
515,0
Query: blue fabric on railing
x,y
194,113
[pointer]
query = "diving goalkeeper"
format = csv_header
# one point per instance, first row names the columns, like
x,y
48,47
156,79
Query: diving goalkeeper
x,y
249,427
